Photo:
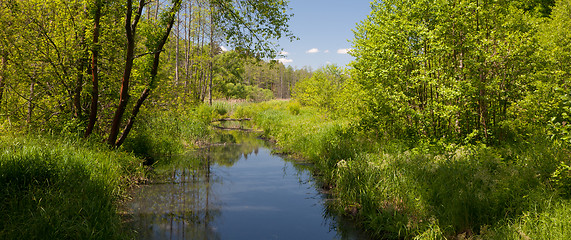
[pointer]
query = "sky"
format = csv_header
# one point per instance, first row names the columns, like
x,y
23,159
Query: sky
x,y
325,28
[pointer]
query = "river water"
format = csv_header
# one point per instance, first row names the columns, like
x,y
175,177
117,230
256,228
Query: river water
x,y
236,189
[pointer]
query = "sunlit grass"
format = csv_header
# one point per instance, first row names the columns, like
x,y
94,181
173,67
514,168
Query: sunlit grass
x,y
431,190
53,188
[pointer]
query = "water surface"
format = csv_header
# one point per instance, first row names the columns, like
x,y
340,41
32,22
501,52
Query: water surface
x,y
235,190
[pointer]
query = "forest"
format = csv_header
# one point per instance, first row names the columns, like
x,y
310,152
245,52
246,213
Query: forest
x,y
452,122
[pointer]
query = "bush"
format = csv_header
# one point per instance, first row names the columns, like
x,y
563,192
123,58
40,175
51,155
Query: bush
x,y
294,107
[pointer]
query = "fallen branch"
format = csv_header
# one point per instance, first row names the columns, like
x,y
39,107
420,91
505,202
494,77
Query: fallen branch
x,y
231,120
239,129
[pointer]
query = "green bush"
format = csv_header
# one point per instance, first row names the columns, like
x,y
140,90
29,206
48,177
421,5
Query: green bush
x,y
294,107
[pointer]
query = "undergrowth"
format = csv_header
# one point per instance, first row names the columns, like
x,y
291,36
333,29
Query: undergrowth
x,y
433,190
54,188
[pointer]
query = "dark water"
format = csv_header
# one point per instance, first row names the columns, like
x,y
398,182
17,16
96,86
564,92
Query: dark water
x,y
237,190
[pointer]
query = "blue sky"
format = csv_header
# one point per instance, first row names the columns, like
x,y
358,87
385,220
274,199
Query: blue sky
x,y
325,30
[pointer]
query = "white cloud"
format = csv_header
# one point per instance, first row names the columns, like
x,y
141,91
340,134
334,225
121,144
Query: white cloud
x,y
285,60
343,50
326,51
328,63
313,50
284,53
224,49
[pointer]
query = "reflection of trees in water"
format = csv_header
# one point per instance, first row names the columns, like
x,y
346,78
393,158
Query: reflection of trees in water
x,y
233,145
179,204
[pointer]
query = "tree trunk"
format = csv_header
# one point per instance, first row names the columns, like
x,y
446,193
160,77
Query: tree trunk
x,y
30,104
3,63
211,53
177,50
94,71
124,93
81,66
154,72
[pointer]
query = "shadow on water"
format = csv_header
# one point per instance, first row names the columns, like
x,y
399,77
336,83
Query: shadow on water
x,y
235,189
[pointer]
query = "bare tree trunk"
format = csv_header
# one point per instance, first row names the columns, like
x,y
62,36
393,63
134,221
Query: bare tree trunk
x,y
177,49
94,71
187,23
157,6
211,53
199,77
191,52
124,93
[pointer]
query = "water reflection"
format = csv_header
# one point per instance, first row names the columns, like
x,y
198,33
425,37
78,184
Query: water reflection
x,y
233,190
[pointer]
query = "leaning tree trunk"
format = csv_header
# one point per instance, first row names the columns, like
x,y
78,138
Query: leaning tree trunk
x,y
154,72
124,93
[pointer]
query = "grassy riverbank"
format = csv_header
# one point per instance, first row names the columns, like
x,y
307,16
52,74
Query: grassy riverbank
x,y
54,188
60,186
429,190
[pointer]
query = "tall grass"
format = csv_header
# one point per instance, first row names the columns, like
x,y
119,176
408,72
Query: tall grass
x,y
51,188
432,190
162,133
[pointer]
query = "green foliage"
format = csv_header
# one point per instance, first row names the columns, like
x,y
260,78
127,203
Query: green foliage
x,y
257,94
165,133
430,70
432,190
249,93
548,220
294,107
561,178
250,25
59,189
332,90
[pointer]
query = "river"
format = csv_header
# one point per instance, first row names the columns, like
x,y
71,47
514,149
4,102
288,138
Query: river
x,y
235,189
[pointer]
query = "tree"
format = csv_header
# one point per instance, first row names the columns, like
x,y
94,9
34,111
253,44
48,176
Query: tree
x,y
97,5
155,43
430,69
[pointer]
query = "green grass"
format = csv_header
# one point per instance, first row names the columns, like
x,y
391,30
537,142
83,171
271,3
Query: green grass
x,y
433,190
52,188
550,221
163,133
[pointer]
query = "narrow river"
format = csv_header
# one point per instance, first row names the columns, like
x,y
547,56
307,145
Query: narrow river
x,y
236,189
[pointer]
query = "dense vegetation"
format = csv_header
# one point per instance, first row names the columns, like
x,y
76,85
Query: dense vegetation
x,y
93,66
429,189
62,189
74,74
452,122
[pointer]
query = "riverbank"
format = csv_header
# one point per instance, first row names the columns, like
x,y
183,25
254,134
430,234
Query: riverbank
x,y
64,188
61,186
56,188
428,190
